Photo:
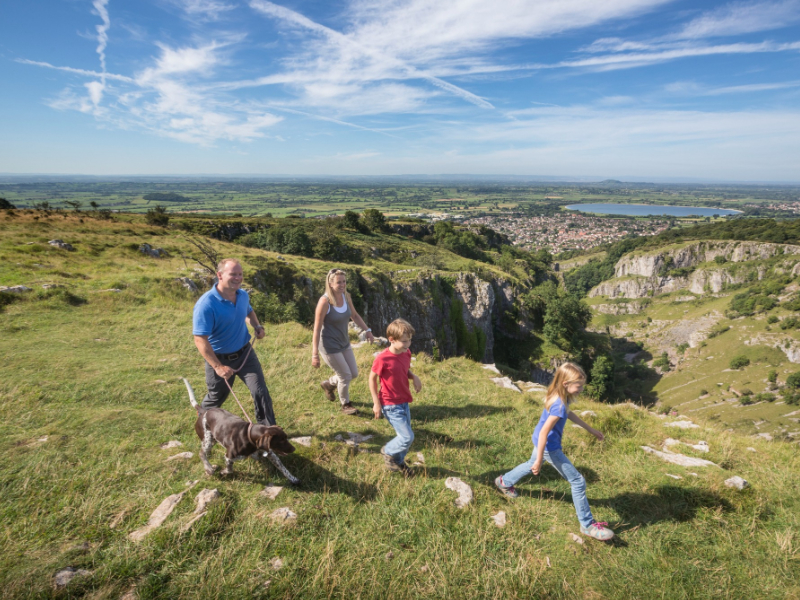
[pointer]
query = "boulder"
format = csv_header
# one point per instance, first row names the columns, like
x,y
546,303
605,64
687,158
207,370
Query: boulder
x,y
148,250
465,494
505,382
736,482
16,289
679,459
62,245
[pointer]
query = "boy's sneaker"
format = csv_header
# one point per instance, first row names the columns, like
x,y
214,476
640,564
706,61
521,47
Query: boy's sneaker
x,y
598,531
506,490
391,462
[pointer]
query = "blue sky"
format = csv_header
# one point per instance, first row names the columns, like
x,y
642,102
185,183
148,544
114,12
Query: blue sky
x,y
614,88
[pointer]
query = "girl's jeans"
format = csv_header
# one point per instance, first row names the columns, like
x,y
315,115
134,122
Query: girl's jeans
x,y
399,417
567,471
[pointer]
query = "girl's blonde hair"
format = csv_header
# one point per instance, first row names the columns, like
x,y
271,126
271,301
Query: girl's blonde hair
x,y
567,373
333,274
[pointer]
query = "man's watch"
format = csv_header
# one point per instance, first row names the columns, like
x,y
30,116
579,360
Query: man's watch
x,y
369,329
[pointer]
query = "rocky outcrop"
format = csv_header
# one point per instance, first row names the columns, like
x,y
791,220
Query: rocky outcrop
x,y
693,254
673,269
621,308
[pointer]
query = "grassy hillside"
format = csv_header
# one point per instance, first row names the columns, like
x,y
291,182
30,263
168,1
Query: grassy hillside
x,y
90,389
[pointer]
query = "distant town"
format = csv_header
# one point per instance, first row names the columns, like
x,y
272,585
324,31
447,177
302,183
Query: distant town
x,y
569,231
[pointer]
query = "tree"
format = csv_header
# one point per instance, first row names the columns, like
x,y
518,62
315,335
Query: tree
x,y
739,362
602,376
374,220
351,220
157,216
565,319
6,205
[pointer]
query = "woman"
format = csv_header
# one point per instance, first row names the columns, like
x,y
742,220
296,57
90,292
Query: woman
x,y
334,311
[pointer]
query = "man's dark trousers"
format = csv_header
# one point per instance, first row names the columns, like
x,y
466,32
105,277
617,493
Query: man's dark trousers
x,y
253,377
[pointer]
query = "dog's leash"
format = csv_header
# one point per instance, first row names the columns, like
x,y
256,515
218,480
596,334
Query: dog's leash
x,y
246,356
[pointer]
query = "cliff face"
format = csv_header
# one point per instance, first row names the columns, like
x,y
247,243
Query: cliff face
x,y
691,255
641,275
429,303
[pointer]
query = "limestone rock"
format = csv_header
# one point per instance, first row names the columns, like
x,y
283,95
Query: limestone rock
x,y
270,492
736,482
188,284
62,245
154,252
682,425
505,382
302,441
181,456
492,368
283,515
499,519
679,459
463,490
171,444
158,516
16,289
64,576
204,498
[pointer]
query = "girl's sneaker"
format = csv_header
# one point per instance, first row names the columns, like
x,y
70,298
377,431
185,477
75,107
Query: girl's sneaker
x,y
598,531
506,490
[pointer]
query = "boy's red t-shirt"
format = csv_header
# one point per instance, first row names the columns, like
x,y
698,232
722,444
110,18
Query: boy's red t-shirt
x,y
393,372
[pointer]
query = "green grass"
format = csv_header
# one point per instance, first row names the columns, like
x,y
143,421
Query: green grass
x,y
100,380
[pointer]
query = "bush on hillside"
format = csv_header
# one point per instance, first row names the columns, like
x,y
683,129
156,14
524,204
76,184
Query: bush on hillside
x,y
157,216
662,362
718,329
772,376
6,205
269,309
601,377
789,323
793,380
739,362
772,319
374,220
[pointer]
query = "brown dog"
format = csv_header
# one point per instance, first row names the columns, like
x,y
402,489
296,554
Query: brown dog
x,y
239,438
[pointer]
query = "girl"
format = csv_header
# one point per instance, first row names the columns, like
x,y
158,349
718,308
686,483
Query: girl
x,y
567,383
334,311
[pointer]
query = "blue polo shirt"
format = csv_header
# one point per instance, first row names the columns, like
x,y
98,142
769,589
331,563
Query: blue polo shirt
x,y
222,320
557,409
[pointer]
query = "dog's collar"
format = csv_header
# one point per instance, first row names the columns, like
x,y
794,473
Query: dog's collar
x,y
249,437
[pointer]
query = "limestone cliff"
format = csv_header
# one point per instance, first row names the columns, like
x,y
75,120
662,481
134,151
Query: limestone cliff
x,y
638,275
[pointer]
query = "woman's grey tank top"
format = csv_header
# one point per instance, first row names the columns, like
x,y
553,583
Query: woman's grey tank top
x,y
334,329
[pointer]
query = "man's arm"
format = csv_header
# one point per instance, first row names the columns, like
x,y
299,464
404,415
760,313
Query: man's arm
x,y
578,421
374,386
204,347
257,327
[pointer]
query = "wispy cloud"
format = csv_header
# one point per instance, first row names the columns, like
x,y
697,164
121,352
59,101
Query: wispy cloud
x,y
742,17
691,88
208,9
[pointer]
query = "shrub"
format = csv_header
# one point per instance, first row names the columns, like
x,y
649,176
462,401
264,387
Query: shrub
x,y
157,216
764,397
662,362
793,380
374,220
720,260
718,329
745,400
789,323
704,392
270,309
772,319
682,348
747,392
772,376
6,205
739,362
602,376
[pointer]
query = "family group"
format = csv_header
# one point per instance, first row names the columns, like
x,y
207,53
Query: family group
x,y
222,314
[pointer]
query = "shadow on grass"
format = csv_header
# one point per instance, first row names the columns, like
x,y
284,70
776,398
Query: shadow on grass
x,y
432,412
668,503
315,478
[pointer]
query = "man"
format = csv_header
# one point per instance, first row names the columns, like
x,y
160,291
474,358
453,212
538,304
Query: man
x,y
220,334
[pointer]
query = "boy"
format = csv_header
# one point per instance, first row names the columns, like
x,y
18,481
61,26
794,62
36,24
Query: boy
x,y
391,371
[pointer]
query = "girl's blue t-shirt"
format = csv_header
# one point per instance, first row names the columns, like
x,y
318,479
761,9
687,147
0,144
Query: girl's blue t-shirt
x,y
554,437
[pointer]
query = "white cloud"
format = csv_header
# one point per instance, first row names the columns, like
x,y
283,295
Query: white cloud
x,y
209,9
742,17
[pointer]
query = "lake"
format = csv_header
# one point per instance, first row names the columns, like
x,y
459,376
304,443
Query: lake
x,y
650,210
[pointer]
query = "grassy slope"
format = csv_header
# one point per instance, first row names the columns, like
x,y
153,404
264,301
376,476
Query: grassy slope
x,y
90,378
705,367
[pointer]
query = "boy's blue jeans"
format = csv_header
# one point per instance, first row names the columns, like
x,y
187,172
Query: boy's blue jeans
x,y
399,417
567,471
